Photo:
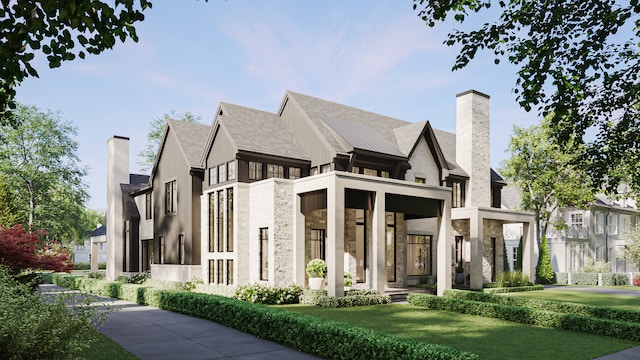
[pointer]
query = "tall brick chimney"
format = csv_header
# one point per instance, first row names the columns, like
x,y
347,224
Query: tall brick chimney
x,y
117,173
473,145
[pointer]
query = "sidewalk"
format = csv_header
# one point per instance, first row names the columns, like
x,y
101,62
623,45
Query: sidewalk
x,y
152,333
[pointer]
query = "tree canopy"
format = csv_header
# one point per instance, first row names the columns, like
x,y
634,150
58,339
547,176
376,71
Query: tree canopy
x,y
547,177
156,130
54,28
632,247
40,170
21,249
576,59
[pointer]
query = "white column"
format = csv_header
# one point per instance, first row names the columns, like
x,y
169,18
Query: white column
x,y
94,256
476,229
444,247
335,237
378,249
298,241
528,249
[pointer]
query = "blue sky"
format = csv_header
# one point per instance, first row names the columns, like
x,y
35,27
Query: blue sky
x,y
378,56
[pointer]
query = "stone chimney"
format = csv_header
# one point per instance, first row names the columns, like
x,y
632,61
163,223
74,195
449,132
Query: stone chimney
x,y
472,145
117,173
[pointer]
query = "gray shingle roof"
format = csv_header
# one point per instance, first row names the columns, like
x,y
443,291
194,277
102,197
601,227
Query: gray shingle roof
x,y
407,136
259,131
363,137
447,143
191,137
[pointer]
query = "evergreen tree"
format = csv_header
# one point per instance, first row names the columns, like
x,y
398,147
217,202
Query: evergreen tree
x,y
505,257
518,264
544,269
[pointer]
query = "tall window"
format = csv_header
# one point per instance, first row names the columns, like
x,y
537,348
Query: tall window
x,y
576,219
230,219
317,244
457,194
148,206
612,224
181,255
295,173
255,170
220,271
514,257
212,272
264,253
458,250
229,272
355,170
212,222
231,170
325,168
313,171
275,171
171,197
161,249
599,222
391,246
220,232
419,254
361,245
625,221
213,175
222,172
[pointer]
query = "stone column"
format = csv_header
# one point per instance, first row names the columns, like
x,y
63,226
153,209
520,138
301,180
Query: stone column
x,y
378,248
476,230
299,267
335,238
528,250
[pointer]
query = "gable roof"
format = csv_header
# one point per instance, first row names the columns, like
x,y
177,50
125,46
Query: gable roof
x,y
190,137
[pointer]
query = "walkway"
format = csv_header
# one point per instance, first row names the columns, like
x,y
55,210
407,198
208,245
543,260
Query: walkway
x,y
152,333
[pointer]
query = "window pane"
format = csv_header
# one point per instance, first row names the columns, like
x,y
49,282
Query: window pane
x,y
230,219
325,168
222,173
370,172
212,222
220,272
181,255
318,244
231,170
391,247
419,254
229,272
384,174
220,221
255,170
213,175
212,266
420,180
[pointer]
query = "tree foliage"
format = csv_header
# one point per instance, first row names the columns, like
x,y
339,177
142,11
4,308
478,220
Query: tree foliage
x,y
547,177
577,59
505,257
39,162
544,269
54,29
632,247
154,137
518,264
21,250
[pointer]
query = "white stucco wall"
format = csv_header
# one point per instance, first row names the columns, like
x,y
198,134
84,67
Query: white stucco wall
x,y
146,226
423,165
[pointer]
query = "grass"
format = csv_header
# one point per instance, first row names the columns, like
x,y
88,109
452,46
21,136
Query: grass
x,y
103,348
626,302
489,338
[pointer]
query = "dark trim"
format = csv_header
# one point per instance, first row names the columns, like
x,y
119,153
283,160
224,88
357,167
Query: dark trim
x,y
271,159
120,137
472,92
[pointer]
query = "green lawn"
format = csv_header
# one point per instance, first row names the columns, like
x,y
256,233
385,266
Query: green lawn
x,y
489,338
103,348
590,298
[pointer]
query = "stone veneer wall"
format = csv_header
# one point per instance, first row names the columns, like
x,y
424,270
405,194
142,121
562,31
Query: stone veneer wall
x,y
491,229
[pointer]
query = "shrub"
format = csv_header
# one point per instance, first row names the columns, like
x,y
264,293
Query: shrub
x,y
317,268
140,278
267,295
562,278
498,290
636,281
596,267
544,269
613,279
81,266
97,275
102,266
584,278
511,279
165,284
122,279
311,296
214,289
348,280
355,297
21,249
191,284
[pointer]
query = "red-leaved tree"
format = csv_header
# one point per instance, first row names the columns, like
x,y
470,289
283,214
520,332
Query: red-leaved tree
x,y
21,249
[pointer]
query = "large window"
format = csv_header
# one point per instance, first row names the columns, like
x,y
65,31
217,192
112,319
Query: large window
x,y
220,232
171,197
384,173
419,254
255,170
230,219
612,224
213,175
212,222
576,219
599,222
212,271
361,245
148,206
275,171
625,221
231,170
391,246
181,255
220,271
318,244
264,253
457,194
222,173
295,173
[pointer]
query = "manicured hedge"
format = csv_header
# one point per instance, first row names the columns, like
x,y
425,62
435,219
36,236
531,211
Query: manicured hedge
x,y
584,278
562,278
328,339
613,279
524,315
547,305
354,297
512,289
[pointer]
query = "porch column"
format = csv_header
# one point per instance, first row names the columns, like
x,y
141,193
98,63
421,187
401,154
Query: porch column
x,y
444,247
528,250
476,230
299,267
378,248
94,255
335,236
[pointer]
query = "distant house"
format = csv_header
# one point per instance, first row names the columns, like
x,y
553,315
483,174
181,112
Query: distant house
x,y
256,195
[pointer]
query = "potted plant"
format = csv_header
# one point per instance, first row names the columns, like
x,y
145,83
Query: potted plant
x,y
459,280
348,281
316,270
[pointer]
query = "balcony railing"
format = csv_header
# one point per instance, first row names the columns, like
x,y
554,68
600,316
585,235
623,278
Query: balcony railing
x,y
577,232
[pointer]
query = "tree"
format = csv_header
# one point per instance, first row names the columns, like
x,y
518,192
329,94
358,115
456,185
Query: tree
x,y
21,250
8,211
518,265
156,131
544,269
577,59
39,161
632,247
547,177
53,28
505,258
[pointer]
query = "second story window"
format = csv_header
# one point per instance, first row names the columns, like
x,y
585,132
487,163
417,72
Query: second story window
x,y
275,171
384,174
222,172
370,172
457,194
231,170
576,220
325,168
171,197
255,170
599,222
213,175
295,173
148,206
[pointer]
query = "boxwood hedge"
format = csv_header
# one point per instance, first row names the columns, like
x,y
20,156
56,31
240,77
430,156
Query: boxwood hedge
x,y
578,323
328,339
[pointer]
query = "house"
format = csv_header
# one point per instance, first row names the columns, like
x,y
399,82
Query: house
x,y
386,200
94,250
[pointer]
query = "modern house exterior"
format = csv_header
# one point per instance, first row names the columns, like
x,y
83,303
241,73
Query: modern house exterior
x,y
386,200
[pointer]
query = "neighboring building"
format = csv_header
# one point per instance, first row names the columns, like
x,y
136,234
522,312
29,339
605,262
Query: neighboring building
x,y
94,249
592,234
387,200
